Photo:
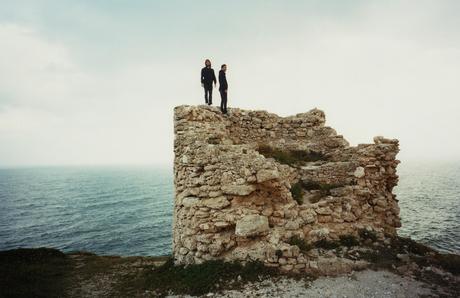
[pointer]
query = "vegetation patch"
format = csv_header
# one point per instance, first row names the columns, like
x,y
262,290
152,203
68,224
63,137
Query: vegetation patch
x,y
303,245
28,272
365,234
213,140
290,157
348,240
297,192
381,257
326,244
210,276
449,262
407,245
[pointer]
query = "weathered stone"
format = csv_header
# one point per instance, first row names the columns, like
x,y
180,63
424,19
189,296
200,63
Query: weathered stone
x,y
251,225
215,203
308,216
221,224
292,225
265,175
359,172
239,190
190,201
235,199
323,211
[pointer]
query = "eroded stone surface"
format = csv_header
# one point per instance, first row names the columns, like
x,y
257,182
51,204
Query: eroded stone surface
x,y
234,203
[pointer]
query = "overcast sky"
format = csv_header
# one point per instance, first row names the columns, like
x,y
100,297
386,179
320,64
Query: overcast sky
x,y
95,82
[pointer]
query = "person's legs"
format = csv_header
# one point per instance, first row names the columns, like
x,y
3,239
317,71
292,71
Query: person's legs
x,y
221,100
225,102
210,95
206,94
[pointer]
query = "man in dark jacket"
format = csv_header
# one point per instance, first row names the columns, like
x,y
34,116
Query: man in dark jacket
x,y
223,87
207,78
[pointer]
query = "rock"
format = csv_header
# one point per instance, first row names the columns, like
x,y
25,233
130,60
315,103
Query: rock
x,y
239,190
308,216
403,257
252,225
359,172
313,265
190,202
265,175
292,225
323,211
215,203
319,233
221,224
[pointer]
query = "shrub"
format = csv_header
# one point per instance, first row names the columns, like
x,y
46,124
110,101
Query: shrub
x,y
199,279
348,240
306,156
365,234
303,245
33,272
326,244
290,157
297,192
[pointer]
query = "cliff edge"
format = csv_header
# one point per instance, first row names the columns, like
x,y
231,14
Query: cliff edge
x,y
256,186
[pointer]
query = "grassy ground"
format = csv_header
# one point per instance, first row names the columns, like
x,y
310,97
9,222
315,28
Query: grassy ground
x,y
45,272
33,273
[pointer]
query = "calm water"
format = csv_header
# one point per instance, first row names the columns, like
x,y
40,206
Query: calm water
x,y
128,210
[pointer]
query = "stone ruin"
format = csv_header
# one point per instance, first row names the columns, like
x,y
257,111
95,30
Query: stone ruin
x,y
255,186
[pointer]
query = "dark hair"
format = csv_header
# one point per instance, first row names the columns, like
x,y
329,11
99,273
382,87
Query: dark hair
x,y
207,60
223,66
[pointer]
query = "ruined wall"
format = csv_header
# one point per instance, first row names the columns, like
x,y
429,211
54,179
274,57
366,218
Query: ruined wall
x,y
249,183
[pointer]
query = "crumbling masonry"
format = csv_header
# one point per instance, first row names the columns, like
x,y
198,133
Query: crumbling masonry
x,y
251,185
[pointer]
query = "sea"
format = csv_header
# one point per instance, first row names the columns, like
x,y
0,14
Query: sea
x,y
127,210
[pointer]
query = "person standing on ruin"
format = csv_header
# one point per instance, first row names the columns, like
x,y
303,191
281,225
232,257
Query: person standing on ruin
x,y
207,78
223,88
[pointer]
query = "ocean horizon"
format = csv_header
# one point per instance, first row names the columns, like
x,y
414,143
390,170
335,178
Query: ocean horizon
x,y
127,210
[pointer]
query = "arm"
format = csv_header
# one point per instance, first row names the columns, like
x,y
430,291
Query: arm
x,y
202,76
214,77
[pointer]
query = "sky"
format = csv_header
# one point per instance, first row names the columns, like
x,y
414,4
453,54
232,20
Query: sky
x,y
94,82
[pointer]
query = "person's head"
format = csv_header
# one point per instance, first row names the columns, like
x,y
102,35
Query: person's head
x,y
223,67
207,63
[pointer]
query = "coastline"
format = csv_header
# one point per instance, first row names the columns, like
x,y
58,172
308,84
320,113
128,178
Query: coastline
x,y
405,269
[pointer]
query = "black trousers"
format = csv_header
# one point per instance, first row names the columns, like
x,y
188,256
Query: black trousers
x,y
223,101
208,94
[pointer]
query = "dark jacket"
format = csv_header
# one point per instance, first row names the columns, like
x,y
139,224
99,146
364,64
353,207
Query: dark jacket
x,y
208,76
222,81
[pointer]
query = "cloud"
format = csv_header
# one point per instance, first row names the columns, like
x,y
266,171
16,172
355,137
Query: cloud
x,y
54,112
85,88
